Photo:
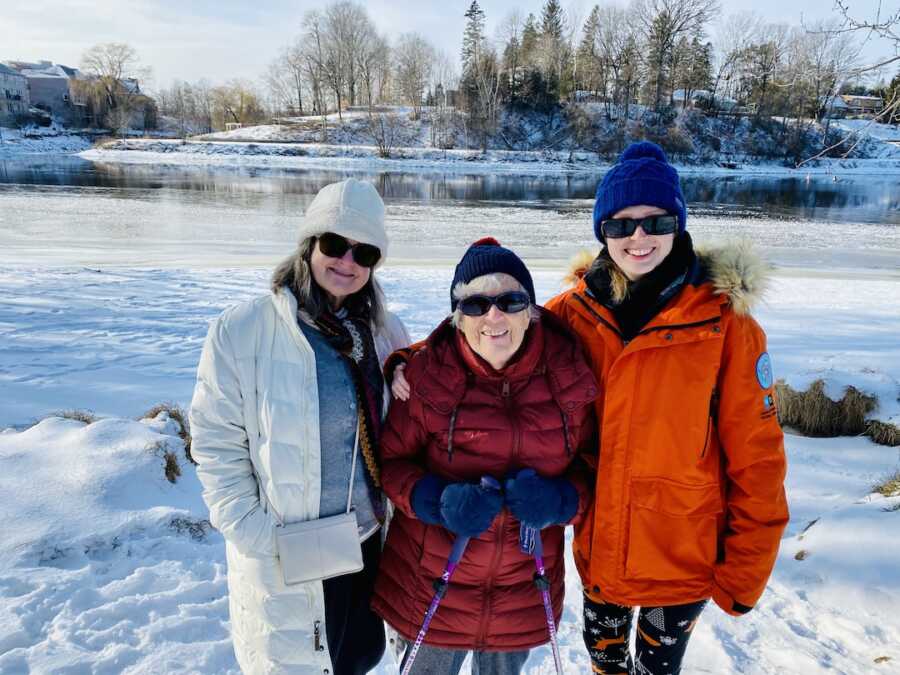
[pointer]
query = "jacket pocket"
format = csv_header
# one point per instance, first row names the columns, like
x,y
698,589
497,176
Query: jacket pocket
x,y
673,530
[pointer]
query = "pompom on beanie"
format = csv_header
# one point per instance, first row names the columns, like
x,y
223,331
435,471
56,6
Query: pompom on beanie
x,y
642,175
487,256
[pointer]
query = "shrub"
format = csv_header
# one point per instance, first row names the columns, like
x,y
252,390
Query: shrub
x,y
814,414
196,529
883,433
86,416
177,413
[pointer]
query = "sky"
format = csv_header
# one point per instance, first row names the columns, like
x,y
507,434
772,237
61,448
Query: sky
x,y
224,39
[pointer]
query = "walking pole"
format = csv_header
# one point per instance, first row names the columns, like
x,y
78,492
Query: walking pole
x,y
442,582
530,541
440,589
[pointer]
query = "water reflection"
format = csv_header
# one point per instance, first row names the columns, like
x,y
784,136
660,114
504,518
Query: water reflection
x,y
869,199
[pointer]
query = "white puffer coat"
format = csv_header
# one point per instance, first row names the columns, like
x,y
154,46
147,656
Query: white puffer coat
x,y
256,410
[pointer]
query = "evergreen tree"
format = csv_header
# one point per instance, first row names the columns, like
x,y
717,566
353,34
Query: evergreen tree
x,y
473,37
553,54
587,63
552,20
530,38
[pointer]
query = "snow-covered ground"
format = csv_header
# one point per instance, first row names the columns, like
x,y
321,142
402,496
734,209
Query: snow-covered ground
x,y
15,143
117,341
107,567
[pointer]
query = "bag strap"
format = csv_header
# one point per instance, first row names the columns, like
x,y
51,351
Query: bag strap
x,y
353,461
270,507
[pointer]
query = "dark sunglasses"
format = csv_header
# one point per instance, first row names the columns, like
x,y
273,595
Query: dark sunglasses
x,y
508,303
335,246
617,228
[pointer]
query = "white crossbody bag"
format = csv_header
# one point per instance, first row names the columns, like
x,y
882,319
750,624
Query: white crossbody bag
x,y
319,549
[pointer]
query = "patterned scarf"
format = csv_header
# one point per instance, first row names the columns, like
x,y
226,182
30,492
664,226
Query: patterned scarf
x,y
352,338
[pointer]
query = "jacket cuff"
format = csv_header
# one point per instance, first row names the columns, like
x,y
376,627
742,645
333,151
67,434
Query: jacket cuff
x,y
727,602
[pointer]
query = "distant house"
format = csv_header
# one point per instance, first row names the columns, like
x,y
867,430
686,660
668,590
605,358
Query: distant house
x,y
50,90
849,105
701,98
14,100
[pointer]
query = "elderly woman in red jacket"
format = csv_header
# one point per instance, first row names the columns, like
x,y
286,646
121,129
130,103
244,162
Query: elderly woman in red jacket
x,y
501,390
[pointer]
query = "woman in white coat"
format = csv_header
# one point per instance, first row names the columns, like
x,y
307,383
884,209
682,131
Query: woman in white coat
x,y
285,420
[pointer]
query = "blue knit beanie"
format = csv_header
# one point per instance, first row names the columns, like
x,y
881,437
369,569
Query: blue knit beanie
x,y
487,256
642,175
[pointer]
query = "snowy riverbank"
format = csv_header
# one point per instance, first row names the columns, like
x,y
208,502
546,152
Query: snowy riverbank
x,y
319,156
15,143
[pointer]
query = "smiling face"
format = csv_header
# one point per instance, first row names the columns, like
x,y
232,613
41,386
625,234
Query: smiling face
x,y
496,336
338,277
640,253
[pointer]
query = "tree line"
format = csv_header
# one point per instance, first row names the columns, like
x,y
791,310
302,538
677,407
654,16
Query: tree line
x,y
659,54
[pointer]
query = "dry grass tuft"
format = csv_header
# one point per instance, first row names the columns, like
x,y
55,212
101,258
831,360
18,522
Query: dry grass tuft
x,y
883,433
177,413
889,486
814,414
85,416
171,467
172,470
196,529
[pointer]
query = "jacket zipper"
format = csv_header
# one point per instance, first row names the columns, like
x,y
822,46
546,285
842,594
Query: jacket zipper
x,y
711,418
645,331
507,402
489,586
317,637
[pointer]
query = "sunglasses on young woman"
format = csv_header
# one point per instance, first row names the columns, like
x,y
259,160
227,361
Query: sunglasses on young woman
x,y
618,228
335,246
510,302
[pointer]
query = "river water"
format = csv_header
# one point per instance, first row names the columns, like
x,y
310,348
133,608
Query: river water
x,y
62,210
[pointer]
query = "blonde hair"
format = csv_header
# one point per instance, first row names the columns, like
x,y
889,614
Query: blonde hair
x,y
489,284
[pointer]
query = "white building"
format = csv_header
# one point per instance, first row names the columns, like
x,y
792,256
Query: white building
x,y
14,99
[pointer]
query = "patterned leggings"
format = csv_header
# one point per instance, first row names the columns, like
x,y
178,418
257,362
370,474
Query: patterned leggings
x,y
662,637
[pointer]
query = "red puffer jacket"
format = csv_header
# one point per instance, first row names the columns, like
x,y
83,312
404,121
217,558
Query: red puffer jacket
x,y
503,421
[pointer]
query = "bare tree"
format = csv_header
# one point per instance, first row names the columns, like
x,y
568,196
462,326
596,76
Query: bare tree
x,y
237,101
112,83
414,58
385,130
373,61
734,36
618,52
663,22
509,34
444,79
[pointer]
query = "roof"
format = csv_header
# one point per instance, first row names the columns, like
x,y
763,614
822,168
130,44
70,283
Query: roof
x,y
6,70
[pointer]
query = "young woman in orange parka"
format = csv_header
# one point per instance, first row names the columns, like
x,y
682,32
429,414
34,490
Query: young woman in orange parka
x,y
689,498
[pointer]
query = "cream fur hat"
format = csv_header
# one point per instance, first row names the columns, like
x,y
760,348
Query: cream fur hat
x,y
350,208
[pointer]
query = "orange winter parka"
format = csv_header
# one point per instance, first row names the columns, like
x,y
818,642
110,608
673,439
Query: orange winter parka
x,y
690,502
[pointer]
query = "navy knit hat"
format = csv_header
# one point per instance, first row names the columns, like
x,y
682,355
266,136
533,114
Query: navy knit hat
x,y
642,175
487,256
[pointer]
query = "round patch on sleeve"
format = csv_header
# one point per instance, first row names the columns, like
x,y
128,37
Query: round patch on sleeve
x,y
764,371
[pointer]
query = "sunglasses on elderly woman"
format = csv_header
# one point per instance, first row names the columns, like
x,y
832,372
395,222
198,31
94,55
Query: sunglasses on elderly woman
x,y
617,228
335,246
508,303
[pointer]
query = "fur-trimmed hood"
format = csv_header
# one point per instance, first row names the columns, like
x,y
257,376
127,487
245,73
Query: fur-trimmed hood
x,y
735,270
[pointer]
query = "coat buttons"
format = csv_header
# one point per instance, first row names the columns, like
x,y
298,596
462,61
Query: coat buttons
x,y
668,336
717,329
